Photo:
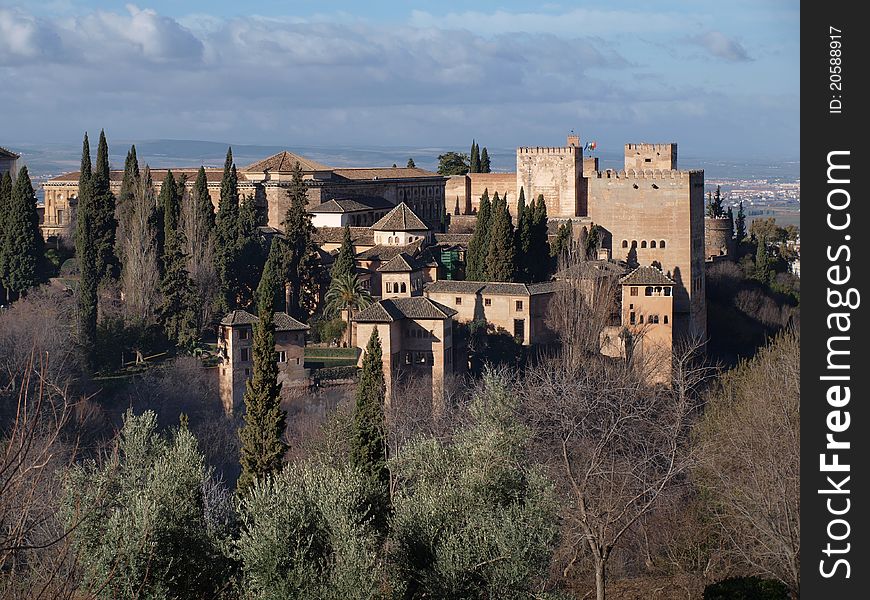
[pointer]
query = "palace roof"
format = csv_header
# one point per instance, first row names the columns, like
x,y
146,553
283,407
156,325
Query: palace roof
x,y
647,276
4,153
283,321
401,218
384,252
396,309
385,173
496,288
157,175
283,162
347,205
362,236
401,263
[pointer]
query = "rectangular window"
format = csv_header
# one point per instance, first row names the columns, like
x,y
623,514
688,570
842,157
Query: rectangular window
x,y
389,287
243,333
632,318
634,291
281,356
458,301
60,217
519,306
487,301
520,329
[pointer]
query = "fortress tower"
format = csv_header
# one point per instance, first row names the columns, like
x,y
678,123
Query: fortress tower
x,y
651,156
557,173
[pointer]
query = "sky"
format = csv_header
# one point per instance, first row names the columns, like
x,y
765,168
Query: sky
x,y
720,78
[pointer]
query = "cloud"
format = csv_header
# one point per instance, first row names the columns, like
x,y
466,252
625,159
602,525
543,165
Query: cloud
x,y
721,46
24,38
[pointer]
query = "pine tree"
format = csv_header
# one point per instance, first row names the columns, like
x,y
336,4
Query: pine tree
x,y
5,207
478,245
344,263
411,163
501,258
21,239
262,444
368,443
103,203
740,223
524,258
484,161
125,201
539,248
475,158
226,229
301,257
87,257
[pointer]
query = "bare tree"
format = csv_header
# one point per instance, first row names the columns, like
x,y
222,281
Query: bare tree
x,y
750,460
613,444
199,247
140,278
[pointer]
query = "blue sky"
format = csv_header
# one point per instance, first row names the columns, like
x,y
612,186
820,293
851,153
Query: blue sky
x,y
720,78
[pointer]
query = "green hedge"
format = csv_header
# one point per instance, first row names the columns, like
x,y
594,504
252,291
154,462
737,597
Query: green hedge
x,y
331,373
332,353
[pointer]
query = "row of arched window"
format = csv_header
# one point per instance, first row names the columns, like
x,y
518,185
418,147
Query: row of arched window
x,y
645,244
397,241
397,287
650,319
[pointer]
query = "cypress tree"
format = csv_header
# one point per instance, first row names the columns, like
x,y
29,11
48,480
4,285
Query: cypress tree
x,y
368,443
21,240
539,246
178,310
5,207
762,262
262,444
484,161
300,258
411,163
124,204
103,203
87,257
170,209
501,258
248,257
478,245
202,199
740,223
344,264
475,158
525,230
226,229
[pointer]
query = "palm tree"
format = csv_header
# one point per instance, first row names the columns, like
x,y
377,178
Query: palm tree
x,y
346,293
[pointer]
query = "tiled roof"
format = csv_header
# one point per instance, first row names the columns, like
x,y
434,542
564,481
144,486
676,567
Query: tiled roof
x,y
400,263
385,173
490,287
647,276
4,153
346,205
401,218
283,321
283,162
363,236
384,253
396,309
157,175
589,269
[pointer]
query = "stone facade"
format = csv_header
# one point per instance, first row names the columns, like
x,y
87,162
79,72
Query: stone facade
x,y
235,338
719,243
8,162
651,156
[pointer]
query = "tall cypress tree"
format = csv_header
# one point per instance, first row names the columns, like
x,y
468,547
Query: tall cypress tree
x,y
5,207
103,203
202,199
740,223
478,245
226,229
539,248
249,256
525,230
344,264
300,258
124,204
170,209
484,161
21,240
87,257
501,258
368,442
178,310
262,443
475,158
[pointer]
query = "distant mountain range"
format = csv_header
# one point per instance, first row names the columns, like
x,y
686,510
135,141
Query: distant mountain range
x,y
48,160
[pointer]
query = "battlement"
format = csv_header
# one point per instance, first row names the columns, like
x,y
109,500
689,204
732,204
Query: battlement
x,y
538,150
645,174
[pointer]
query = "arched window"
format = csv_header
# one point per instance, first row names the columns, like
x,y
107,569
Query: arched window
x,y
625,243
662,244
634,243
652,244
666,319
389,287
641,319
404,289
643,244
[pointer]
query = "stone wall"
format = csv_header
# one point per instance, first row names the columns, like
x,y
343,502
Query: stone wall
x,y
718,237
651,156
556,173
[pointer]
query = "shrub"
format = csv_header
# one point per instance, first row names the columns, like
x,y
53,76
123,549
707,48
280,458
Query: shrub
x,y
746,588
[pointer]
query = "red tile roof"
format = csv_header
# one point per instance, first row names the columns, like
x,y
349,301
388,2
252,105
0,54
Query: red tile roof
x,y
283,162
